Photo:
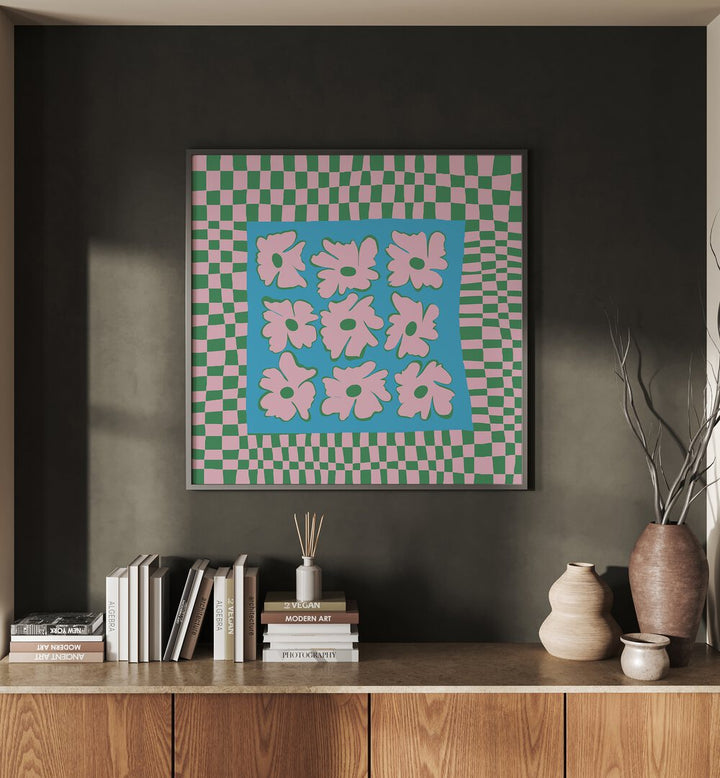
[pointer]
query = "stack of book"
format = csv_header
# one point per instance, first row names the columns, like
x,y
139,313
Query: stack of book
x,y
136,608
321,631
58,638
235,603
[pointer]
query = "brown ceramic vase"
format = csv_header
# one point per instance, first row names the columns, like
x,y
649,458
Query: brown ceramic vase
x,y
669,579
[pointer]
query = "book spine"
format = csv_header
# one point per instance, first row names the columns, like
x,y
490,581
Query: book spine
x,y
112,599
123,618
133,612
302,655
38,646
68,629
230,614
196,620
180,615
278,617
297,605
143,613
47,629
240,607
316,645
310,629
158,613
189,609
251,584
74,657
219,616
149,565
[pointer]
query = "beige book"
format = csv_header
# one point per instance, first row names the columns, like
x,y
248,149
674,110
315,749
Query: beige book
x,y
43,647
58,657
251,619
285,601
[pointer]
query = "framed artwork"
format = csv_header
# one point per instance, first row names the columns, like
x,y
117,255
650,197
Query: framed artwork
x,y
356,319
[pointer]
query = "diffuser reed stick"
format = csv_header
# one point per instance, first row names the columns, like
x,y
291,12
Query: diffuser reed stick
x,y
309,544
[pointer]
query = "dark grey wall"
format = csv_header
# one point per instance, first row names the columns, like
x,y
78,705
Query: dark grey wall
x,y
614,121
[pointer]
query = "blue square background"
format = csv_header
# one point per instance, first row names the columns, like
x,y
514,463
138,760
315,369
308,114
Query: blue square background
x,y
446,349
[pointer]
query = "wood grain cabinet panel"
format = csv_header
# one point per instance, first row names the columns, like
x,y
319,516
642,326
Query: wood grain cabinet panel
x,y
85,735
467,735
643,735
271,735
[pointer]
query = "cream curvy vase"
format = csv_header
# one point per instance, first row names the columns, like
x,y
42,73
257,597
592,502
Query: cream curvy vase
x,y
580,625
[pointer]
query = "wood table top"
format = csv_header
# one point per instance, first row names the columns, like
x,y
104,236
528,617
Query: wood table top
x,y
472,668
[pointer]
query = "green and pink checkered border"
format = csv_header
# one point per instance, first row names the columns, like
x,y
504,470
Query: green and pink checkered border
x,y
485,190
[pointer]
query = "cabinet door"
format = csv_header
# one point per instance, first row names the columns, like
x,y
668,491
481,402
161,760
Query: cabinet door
x,y
467,735
85,735
271,735
643,735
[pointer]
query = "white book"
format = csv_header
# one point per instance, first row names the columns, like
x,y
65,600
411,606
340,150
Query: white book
x,y
134,607
159,612
310,629
112,607
315,643
302,642
230,614
311,640
124,616
151,561
310,655
220,614
239,568
98,637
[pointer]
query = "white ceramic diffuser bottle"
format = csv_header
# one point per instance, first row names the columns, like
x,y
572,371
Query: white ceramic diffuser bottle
x,y
308,581
308,576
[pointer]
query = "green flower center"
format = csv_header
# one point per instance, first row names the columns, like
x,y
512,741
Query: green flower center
x,y
348,271
277,260
286,392
420,392
411,329
292,325
416,263
348,324
354,390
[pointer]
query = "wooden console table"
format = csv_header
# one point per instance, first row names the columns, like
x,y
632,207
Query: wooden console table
x,y
450,710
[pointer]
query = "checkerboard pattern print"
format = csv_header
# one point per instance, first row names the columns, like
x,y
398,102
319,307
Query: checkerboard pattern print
x,y
483,191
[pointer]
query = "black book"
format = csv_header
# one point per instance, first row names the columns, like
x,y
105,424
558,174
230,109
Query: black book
x,y
57,624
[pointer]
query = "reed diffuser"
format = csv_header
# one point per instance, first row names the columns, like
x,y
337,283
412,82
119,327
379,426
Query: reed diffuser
x,y
308,576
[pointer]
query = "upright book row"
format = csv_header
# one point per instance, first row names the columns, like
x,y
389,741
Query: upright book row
x,y
137,610
235,596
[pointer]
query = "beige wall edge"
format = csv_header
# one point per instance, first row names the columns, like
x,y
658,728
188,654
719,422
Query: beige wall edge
x,y
713,298
7,479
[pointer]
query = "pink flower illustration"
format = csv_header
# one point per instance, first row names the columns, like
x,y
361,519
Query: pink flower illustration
x,y
416,259
288,321
278,259
347,324
411,327
355,389
289,389
346,266
419,390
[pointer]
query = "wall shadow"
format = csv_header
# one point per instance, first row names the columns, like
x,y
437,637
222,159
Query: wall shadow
x,y
623,610
51,531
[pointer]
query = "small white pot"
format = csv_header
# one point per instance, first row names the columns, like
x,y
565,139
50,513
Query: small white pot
x,y
644,657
